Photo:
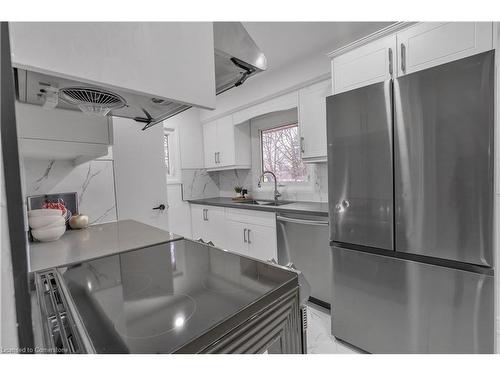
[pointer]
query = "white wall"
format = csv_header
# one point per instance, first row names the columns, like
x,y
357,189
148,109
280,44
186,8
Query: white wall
x,y
179,213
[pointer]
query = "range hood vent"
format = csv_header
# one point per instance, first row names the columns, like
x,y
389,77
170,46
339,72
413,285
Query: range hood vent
x,y
236,58
92,100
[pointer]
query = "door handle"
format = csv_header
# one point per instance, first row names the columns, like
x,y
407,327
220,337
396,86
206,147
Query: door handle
x,y
218,157
205,214
302,148
248,236
245,235
403,58
161,207
215,157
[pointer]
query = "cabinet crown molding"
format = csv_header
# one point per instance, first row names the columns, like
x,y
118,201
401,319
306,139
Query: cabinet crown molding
x,y
397,26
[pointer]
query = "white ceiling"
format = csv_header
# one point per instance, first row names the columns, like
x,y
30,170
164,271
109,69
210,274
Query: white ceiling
x,y
287,42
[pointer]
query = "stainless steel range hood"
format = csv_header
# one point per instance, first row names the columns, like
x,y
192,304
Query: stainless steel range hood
x,y
236,55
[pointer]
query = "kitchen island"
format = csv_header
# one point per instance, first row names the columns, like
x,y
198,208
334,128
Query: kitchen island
x,y
178,296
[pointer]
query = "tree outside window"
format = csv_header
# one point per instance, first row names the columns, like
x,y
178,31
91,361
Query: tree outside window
x,y
281,153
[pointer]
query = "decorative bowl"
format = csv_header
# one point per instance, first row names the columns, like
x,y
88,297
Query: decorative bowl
x,y
48,234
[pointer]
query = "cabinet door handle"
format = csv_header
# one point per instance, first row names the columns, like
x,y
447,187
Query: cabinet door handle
x,y
245,235
403,58
391,69
248,236
205,214
218,158
302,148
215,157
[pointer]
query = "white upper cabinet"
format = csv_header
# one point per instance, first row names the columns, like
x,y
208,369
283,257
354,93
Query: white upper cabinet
x,y
371,63
429,44
226,141
210,144
312,120
146,57
226,146
62,125
62,134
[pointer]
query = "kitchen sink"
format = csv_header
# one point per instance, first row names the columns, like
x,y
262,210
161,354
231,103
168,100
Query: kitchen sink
x,y
266,203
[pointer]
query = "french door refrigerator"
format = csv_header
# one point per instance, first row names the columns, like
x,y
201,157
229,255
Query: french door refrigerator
x,y
410,174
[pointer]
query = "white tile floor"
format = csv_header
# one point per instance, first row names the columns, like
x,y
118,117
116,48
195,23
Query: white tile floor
x,y
319,338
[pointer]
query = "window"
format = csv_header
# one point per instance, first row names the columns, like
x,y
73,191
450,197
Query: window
x,y
281,153
172,158
166,144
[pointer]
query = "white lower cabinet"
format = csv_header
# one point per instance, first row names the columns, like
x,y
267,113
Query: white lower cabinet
x,y
261,242
246,232
208,224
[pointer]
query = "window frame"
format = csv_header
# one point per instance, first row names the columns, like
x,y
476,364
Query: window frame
x,y
174,177
265,181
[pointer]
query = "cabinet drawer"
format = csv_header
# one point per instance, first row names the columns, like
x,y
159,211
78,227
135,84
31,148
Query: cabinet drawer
x,y
429,44
266,219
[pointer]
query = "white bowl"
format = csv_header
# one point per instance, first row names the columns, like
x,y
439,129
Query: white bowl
x,y
48,234
45,212
39,222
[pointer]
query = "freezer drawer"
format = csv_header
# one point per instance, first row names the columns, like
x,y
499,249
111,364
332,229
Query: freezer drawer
x,y
303,241
444,160
360,181
387,305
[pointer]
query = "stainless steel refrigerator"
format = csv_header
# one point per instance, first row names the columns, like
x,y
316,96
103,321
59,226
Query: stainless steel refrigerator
x,y
410,174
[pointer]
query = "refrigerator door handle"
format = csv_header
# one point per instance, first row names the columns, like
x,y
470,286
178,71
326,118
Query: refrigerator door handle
x,y
403,58
391,68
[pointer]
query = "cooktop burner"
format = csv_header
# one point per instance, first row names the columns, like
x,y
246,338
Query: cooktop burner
x,y
158,299
136,282
175,311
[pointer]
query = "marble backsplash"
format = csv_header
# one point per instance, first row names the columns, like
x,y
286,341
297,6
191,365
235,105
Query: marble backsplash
x,y
314,190
93,181
197,183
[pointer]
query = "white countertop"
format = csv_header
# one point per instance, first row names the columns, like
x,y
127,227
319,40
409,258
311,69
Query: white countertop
x,y
94,242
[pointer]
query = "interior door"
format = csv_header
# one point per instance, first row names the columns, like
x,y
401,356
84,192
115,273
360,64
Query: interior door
x,y
140,172
359,134
444,160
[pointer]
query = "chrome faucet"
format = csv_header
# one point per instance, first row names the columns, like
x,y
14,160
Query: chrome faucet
x,y
277,194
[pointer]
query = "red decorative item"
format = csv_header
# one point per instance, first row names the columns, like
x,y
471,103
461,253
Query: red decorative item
x,y
57,206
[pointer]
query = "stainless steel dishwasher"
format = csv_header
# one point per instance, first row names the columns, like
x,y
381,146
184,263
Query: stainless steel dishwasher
x,y
303,240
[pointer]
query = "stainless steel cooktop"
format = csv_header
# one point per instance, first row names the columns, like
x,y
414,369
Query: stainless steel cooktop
x,y
156,300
